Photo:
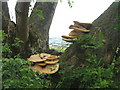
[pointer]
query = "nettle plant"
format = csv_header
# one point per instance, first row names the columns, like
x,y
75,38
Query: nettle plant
x,y
94,74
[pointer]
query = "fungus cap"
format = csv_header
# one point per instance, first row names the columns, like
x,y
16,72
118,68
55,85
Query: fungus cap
x,y
35,58
68,40
52,57
76,26
85,25
64,36
79,29
76,22
41,64
52,61
49,69
43,55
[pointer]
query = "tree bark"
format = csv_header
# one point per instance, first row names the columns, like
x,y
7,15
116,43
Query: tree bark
x,y
107,24
39,28
75,56
5,17
22,9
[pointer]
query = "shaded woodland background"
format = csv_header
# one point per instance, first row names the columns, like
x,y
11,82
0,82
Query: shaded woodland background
x,y
91,62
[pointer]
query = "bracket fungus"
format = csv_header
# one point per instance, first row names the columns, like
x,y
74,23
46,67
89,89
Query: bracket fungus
x,y
64,36
68,40
44,62
36,58
51,62
84,25
41,63
49,69
78,29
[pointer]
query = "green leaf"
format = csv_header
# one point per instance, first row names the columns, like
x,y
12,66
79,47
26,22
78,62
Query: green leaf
x,y
100,36
39,13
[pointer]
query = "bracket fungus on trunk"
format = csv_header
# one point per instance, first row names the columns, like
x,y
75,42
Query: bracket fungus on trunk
x,y
49,69
72,37
36,58
44,63
79,28
84,25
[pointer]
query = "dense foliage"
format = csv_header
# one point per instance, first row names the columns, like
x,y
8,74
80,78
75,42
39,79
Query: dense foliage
x,y
94,74
16,73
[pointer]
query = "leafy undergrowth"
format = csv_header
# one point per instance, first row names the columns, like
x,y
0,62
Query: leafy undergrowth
x,y
16,74
94,75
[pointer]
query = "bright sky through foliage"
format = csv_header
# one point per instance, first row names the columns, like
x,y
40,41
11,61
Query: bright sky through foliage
x,y
82,11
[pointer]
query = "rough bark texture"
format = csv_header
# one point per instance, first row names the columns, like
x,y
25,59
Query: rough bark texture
x,y
5,17
22,9
39,28
75,55
107,24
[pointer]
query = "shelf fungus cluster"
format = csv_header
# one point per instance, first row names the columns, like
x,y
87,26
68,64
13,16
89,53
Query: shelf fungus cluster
x,y
78,29
44,63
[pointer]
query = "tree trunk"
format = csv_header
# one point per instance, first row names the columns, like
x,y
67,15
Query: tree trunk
x,y
22,9
76,56
39,27
5,17
107,24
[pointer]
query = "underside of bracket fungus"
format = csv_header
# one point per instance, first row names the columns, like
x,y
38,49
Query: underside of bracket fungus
x,y
68,40
49,69
79,28
44,63
64,36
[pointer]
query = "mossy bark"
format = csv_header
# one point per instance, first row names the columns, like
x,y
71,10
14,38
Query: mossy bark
x,y
22,9
39,28
22,32
107,23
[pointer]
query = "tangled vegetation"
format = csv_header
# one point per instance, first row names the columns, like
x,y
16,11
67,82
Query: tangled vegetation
x,y
94,74
16,74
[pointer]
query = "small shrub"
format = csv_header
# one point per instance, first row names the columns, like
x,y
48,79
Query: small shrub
x,y
94,74
15,71
16,74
